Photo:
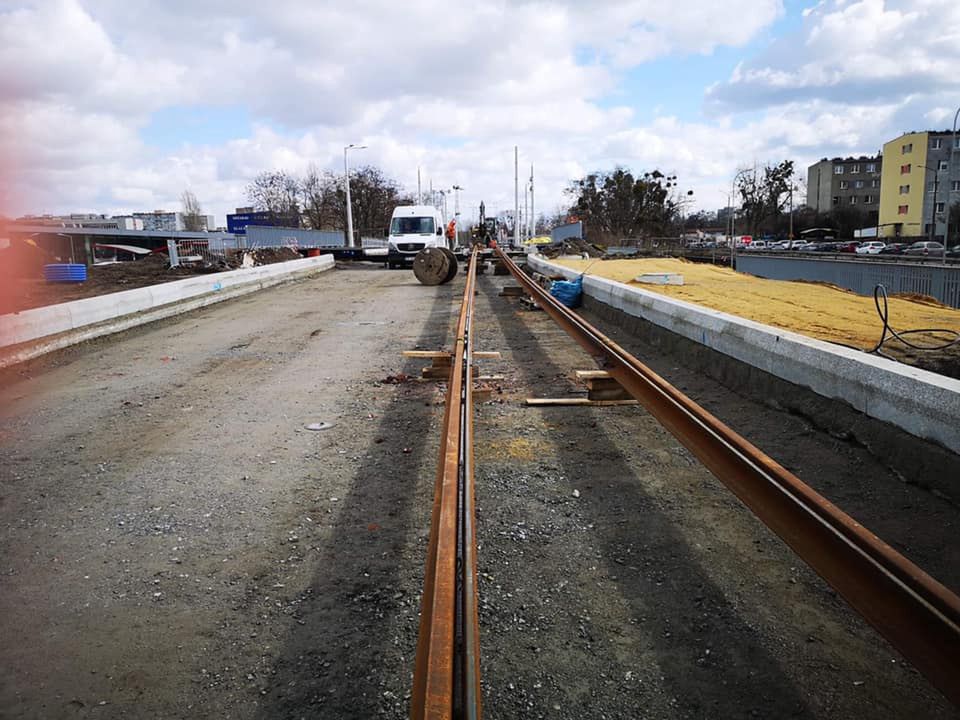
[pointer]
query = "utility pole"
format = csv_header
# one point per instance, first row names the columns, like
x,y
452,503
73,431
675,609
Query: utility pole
x,y
419,197
516,196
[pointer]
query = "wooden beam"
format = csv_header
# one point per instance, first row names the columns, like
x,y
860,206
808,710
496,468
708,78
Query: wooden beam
x,y
579,401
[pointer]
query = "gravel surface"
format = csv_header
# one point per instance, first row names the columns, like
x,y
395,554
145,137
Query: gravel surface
x,y
176,543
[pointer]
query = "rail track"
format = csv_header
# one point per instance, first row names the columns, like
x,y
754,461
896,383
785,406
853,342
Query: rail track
x,y
446,679
916,614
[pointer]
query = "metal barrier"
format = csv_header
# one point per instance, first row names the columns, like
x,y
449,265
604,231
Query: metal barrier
x,y
862,276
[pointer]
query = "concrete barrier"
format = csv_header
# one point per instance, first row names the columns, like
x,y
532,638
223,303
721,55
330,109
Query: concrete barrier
x,y
923,403
31,333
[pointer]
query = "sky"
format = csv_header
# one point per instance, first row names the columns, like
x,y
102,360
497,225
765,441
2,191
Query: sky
x,y
118,106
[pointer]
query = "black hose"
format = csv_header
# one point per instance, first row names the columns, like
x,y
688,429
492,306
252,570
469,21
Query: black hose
x,y
888,333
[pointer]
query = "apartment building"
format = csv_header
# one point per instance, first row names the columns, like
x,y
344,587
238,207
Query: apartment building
x,y
918,184
851,182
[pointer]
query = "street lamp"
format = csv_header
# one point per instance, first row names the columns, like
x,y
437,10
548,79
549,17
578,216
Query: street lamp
x,y
346,180
953,149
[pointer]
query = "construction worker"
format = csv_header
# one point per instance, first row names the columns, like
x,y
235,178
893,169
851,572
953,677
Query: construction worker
x,y
452,234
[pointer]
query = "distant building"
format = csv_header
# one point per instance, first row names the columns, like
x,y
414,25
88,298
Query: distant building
x,y
165,221
852,182
917,164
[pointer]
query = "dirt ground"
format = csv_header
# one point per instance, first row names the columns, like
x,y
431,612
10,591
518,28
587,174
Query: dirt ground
x,y
175,543
818,310
30,292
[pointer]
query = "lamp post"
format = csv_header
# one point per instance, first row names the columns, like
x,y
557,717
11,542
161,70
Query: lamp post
x,y
733,220
953,149
933,204
346,180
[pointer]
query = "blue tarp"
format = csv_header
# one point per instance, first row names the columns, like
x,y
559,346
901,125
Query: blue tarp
x,y
568,292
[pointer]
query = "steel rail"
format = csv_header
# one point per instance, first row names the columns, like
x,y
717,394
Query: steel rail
x,y
913,611
446,679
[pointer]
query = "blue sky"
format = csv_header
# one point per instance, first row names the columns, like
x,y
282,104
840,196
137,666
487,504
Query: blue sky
x,y
126,111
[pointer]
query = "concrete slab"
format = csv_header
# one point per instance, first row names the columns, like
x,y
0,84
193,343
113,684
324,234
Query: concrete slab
x,y
40,330
924,404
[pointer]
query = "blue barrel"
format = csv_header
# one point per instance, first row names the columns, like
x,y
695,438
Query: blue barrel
x,y
65,272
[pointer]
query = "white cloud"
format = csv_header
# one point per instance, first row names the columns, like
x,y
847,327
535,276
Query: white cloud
x,y
448,89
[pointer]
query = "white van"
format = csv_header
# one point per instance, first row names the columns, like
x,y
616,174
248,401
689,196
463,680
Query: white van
x,y
413,228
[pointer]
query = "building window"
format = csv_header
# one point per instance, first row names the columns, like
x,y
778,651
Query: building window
x,y
838,169
868,199
874,183
853,199
931,186
936,144
871,167
943,165
908,148
956,143
904,189
939,208
905,169
903,209
855,169
858,184
836,199
955,186
843,184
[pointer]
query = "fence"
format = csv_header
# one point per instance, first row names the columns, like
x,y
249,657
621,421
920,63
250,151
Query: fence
x,y
862,276
565,232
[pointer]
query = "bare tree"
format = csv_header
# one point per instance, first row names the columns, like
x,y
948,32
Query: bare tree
x,y
764,193
278,193
193,219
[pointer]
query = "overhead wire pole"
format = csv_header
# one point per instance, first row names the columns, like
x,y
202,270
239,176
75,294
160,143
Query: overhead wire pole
x,y
516,196
456,209
533,216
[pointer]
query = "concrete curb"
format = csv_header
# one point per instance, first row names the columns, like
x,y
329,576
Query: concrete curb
x,y
923,403
32,333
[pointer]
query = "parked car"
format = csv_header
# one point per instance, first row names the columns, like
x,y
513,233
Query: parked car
x,y
924,247
871,247
954,252
805,246
847,247
757,245
894,249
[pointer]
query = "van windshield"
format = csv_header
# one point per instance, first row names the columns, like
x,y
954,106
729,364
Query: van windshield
x,y
412,226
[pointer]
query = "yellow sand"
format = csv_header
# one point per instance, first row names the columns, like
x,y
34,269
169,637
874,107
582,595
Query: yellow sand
x,y
814,309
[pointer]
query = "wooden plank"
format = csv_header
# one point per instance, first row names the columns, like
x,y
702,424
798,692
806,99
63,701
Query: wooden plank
x,y
426,353
490,378
489,355
591,374
512,291
581,401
